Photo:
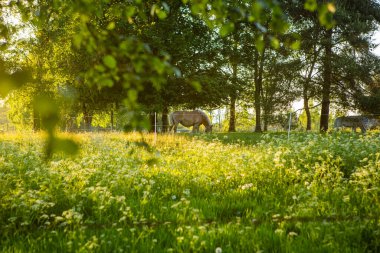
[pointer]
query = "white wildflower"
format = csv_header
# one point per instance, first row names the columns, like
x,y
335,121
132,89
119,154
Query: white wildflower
x,y
246,186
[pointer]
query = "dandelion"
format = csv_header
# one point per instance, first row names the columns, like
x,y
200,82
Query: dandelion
x,y
292,234
218,250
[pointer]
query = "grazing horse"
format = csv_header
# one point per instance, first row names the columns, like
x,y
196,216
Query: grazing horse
x,y
190,118
363,122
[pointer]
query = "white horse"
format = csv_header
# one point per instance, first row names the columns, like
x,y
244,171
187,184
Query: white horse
x,y
364,123
190,118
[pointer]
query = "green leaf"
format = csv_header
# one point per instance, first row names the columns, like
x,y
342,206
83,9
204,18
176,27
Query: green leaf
x,y
9,82
130,11
54,145
109,61
326,15
256,10
226,29
132,95
295,45
196,85
111,26
65,145
106,82
311,5
161,14
100,68
275,43
259,43
48,110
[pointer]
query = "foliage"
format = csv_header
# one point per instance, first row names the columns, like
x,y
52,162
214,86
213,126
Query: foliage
x,y
192,193
113,54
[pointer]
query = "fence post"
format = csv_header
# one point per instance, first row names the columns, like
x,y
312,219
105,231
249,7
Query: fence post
x,y
155,128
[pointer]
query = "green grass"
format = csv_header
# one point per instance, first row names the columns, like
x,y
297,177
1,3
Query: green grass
x,y
241,192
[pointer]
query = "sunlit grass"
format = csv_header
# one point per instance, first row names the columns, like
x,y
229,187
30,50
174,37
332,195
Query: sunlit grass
x,y
182,193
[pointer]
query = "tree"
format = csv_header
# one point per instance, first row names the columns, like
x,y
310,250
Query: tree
x,y
115,38
332,44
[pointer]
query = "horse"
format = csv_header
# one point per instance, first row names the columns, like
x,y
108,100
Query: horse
x,y
190,118
363,122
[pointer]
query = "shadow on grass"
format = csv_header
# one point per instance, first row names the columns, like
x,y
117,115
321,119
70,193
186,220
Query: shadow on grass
x,y
253,138
243,138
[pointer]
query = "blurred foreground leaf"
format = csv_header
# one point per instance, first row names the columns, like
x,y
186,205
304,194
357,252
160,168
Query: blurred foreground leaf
x,y
326,15
56,145
9,82
48,110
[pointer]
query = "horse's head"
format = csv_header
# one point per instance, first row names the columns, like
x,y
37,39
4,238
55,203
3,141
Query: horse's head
x,y
208,129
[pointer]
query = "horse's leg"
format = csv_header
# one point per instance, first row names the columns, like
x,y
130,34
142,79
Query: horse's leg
x,y
195,128
175,127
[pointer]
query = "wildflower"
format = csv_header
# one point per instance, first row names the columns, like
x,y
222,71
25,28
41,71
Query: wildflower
x,y
279,231
247,186
218,250
186,192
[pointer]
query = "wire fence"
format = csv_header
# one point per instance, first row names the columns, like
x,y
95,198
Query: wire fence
x,y
7,127
287,121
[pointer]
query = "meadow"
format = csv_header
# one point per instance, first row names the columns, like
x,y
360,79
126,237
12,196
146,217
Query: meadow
x,y
241,192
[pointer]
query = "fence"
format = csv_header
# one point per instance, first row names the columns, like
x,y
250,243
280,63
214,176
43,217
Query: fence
x,y
289,121
7,127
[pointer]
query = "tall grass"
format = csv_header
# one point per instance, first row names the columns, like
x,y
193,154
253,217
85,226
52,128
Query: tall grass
x,y
192,193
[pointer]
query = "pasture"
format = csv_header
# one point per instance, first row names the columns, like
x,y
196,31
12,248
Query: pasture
x,y
242,192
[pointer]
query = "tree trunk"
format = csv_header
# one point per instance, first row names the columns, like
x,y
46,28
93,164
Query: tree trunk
x,y
233,95
232,122
259,66
165,119
112,120
307,111
257,93
326,86
87,118
265,119
305,91
152,120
